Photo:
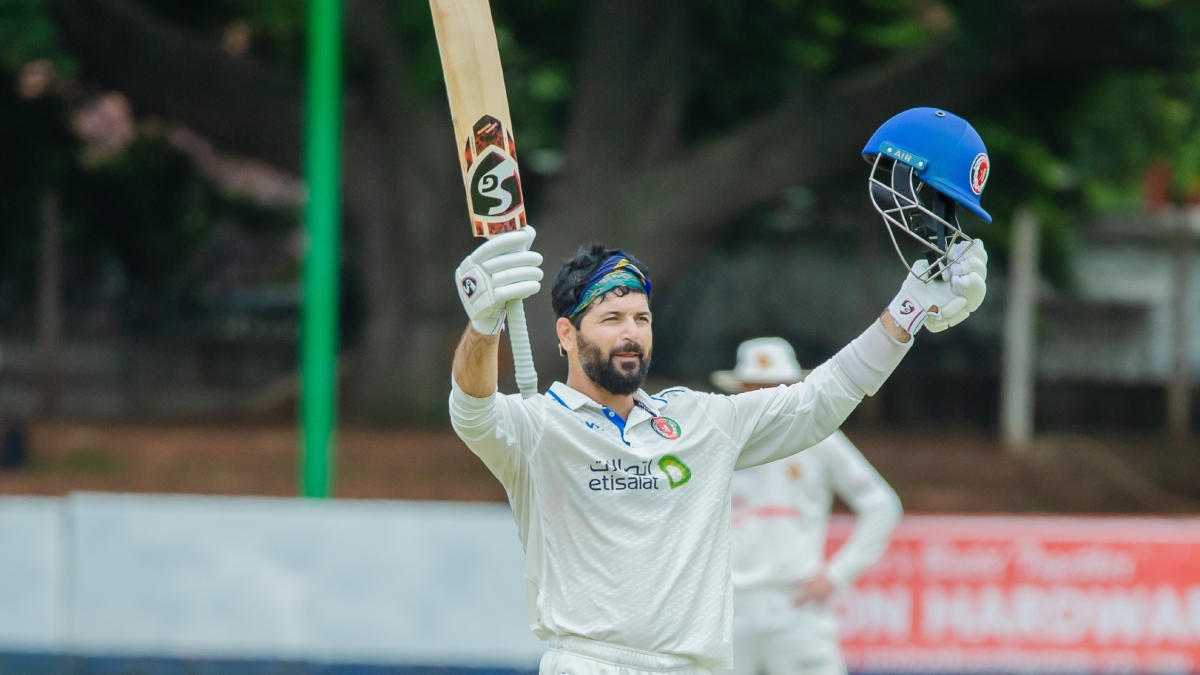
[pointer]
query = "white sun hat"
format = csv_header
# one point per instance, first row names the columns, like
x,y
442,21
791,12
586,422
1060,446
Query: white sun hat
x,y
768,360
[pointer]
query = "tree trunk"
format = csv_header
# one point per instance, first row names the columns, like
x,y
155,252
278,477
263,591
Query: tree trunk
x,y
49,315
1179,382
404,192
1018,372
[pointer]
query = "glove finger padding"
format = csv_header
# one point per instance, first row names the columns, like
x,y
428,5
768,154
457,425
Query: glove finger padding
x,y
951,307
514,275
517,291
969,257
973,288
969,266
517,240
510,260
978,251
935,325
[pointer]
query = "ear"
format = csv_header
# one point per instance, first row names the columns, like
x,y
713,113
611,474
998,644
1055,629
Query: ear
x,y
566,333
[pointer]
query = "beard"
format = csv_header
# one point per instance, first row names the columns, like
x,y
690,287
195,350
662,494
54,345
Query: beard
x,y
600,368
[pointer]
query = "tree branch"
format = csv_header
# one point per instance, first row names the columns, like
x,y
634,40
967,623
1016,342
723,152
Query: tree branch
x,y
799,143
803,142
242,104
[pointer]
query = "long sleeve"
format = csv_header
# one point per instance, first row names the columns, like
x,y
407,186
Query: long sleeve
x,y
771,424
874,503
501,429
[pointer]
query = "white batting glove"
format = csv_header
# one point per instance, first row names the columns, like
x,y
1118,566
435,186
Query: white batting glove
x,y
501,269
958,292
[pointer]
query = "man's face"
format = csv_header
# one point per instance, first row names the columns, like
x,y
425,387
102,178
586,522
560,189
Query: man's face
x,y
615,342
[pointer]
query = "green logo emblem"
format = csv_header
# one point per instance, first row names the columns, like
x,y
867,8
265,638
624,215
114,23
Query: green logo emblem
x,y
676,471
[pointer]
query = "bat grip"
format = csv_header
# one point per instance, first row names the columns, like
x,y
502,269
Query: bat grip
x,y
518,335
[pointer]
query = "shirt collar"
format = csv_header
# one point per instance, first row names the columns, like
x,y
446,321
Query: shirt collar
x,y
574,400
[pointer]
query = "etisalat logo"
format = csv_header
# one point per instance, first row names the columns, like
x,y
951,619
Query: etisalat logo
x,y
619,475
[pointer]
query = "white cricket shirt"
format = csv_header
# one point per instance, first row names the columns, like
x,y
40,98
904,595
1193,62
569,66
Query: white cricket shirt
x,y
625,523
781,516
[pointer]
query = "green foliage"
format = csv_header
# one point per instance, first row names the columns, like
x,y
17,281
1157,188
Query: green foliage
x,y
538,40
749,56
1132,120
1063,143
27,33
419,45
1070,143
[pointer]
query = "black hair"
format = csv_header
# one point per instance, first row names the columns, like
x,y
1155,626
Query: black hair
x,y
574,274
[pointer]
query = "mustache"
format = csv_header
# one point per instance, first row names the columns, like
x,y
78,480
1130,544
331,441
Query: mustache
x,y
627,348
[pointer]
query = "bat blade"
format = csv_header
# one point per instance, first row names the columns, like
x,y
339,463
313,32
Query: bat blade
x,y
479,107
483,134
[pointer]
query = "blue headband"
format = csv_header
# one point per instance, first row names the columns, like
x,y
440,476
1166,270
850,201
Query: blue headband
x,y
615,272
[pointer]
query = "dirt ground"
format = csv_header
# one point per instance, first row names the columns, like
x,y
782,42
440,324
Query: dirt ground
x,y
931,473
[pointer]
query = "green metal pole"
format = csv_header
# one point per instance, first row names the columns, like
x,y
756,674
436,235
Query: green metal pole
x,y
318,342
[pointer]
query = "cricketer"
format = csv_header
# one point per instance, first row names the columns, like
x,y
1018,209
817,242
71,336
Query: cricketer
x,y
783,616
622,498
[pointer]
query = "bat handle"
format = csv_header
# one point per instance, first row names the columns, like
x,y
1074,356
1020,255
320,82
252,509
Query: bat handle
x,y
518,335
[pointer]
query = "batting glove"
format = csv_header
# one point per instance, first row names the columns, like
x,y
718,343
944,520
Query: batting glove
x,y
501,269
948,299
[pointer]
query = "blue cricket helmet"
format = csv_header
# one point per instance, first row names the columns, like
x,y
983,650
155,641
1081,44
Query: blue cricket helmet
x,y
942,149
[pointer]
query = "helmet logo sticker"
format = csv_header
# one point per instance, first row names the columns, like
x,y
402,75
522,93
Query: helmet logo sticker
x,y
980,169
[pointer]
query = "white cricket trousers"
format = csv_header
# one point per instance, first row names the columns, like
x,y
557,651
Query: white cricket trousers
x,y
773,636
580,656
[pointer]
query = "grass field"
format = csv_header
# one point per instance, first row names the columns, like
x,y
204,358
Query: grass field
x,y
932,473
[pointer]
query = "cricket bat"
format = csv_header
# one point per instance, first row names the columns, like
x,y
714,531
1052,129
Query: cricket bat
x,y
483,135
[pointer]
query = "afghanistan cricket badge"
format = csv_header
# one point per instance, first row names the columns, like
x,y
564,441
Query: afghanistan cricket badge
x,y
493,181
980,169
667,428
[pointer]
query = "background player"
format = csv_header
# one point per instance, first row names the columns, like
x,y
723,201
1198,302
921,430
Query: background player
x,y
783,620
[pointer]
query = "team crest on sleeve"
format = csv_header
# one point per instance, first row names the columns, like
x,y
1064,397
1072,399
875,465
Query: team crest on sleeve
x,y
980,169
667,428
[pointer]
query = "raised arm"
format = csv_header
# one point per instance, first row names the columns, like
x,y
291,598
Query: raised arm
x,y
494,427
771,424
476,369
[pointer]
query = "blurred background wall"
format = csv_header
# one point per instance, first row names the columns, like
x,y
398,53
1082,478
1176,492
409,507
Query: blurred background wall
x,y
263,579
